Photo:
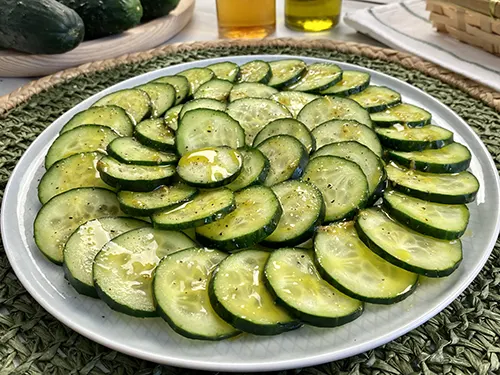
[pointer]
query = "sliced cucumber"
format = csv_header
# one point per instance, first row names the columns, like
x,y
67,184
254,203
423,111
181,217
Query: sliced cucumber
x,y
453,158
146,203
181,293
60,216
312,299
346,130
286,72
351,267
254,171
294,101
404,138
136,102
329,108
405,248
342,184
154,133
239,296
134,177
210,167
377,98
111,116
251,90
202,128
444,221
202,103
129,151
180,84
75,171
253,114
216,89
290,127
318,77
162,96
172,116
123,269
204,208
404,114
85,138
446,188
352,82
196,77
256,216
303,211
255,71
287,158
84,244
370,164
225,70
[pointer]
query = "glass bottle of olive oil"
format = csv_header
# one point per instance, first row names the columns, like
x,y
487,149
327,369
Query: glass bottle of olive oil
x,y
312,15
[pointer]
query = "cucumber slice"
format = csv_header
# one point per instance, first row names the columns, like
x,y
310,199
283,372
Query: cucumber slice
x,y
135,102
286,72
377,98
403,138
216,89
303,211
202,103
256,216
123,269
76,171
405,248
318,77
85,138
294,101
154,133
255,71
342,183
328,108
202,128
225,70
60,216
84,244
287,158
111,116
443,221
179,83
370,164
204,208
171,117
253,114
210,167
312,300
251,90
162,96
129,151
446,188
146,203
453,158
352,82
346,130
351,267
196,77
405,114
290,127
254,171
238,294
134,177
180,290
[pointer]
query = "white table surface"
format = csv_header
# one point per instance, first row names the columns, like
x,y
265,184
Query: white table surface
x,y
203,26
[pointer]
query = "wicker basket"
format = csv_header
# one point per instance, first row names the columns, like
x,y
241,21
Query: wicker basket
x,y
467,25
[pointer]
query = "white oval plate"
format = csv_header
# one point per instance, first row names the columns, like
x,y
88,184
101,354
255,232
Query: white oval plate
x,y
153,340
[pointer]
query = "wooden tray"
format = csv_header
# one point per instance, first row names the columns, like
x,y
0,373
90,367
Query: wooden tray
x,y
140,38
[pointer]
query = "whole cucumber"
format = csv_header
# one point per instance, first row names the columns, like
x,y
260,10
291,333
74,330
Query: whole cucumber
x,y
157,8
106,17
39,26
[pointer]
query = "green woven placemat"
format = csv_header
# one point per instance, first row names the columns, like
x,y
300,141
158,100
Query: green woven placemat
x,y
463,339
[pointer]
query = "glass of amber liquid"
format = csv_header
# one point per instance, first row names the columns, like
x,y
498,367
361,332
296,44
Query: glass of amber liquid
x,y
312,15
246,18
